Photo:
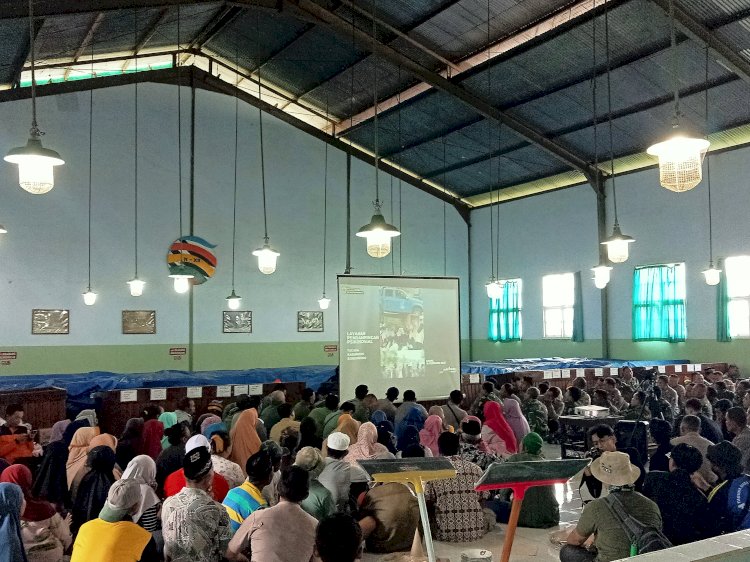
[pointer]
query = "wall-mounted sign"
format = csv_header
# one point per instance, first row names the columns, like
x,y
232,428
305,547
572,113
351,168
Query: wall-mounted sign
x,y
158,394
129,395
194,391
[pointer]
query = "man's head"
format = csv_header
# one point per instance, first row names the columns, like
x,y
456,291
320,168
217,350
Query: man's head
x,y
610,384
574,393
254,402
186,405
277,397
361,391
626,373
532,393
693,407
614,469
555,392
721,408
448,444
720,386
457,397
736,420
294,485
332,402
338,445
685,457
14,415
338,538
347,408
284,410
259,469
308,395
392,393
488,387
603,437
638,398
409,396
733,372
674,380
198,469
725,459
543,387
600,398
700,389
663,382
525,383
311,460
690,424
242,403
579,382
661,431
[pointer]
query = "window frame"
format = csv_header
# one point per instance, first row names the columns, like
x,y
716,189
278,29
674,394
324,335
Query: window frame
x,y
671,310
736,298
564,309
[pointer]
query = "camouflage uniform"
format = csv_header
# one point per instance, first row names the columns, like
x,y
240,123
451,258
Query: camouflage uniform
x,y
477,408
536,414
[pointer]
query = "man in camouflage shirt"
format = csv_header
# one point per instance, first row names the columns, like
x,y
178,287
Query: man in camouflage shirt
x,y
488,393
535,412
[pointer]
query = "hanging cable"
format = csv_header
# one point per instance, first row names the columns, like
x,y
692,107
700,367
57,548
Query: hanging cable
x,y
708,178
325,204
91,152
445,218
375,105
179,122
135,142
489,146
236,152
675,62
260,127
35,132
609,113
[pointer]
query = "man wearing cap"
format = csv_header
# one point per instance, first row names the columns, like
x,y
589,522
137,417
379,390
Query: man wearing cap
x,y
339,476
729,499
243,500
682,506
113,537
195,527
319,503
176,481
611,542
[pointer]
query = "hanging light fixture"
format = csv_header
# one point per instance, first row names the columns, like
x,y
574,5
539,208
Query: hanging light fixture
x,y
266,255
89,297
35,163
712,274
324,302
617,244
377,232
180,275
601,275
680,156
234,301
135,284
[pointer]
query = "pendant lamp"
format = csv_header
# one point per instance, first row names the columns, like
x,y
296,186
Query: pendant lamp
x,y
89,297
601,275
136,285
680,156
324,302
712,274
234,301
35,163
493,287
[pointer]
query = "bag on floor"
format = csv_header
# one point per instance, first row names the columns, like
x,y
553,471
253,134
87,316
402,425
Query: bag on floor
x,y
643,538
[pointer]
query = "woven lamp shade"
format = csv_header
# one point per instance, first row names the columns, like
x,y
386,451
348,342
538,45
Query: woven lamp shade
x,y
680,162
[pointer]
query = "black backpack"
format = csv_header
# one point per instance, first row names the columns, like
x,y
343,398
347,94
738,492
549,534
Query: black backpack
x,y
643,538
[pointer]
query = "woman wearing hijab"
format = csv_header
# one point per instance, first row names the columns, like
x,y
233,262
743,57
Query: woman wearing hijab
x,y
45,534
413,418
515,419
496,432
245,440
168,420
153,431
93,489
86,418
386,437
58,430
11,505
207,420
308,434
51,481
410,438
367,446
103,440
142,469
428,436
378,416
77,451
438,411
221,448
130,444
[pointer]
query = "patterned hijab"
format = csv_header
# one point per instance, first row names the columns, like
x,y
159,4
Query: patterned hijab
x,y
367,446
428,437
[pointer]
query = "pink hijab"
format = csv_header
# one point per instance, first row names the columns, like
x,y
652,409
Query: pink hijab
x,y
515,418
428,437
367,446
494,419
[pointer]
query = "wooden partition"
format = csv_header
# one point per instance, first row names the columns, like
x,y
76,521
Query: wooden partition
x,y
114,413
42,407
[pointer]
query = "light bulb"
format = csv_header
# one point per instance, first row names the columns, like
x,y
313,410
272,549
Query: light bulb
x,y
680,162
324,302
233,301
617,245
266,259
601,275
712,275
378,234
89,297
136,287
494,289
181,283
35,165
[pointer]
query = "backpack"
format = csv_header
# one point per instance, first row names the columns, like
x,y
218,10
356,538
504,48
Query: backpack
x,y
643,538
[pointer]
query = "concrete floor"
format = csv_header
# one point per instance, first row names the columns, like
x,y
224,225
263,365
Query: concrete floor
x,y
530,545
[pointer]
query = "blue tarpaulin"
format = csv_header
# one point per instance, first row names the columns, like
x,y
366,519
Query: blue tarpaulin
x,y
551,363
81,386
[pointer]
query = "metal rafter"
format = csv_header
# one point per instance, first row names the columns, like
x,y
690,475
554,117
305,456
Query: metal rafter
x,y
435,80
218,22
146,36
13,9
87,39
23,53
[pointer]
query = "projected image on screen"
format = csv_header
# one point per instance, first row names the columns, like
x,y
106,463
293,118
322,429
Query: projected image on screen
x,y
399,331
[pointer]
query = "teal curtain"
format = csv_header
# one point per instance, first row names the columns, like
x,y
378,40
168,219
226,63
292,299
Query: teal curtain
x,y
577,308
722,307
658,304
505,314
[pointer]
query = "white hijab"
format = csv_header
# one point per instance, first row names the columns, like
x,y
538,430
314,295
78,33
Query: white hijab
x,y
142,469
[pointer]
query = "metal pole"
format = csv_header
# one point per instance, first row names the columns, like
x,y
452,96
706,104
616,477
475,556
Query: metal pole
x,y
348,268
601,215
419,489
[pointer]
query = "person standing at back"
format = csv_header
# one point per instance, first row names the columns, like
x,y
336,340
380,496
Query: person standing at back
x,y
386,406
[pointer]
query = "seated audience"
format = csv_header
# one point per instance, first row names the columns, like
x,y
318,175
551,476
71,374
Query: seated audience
x,y
700,393
338,476
170,459
720,414
261,536
438,411
535,412
319,502
16,441
690,434
130,444
177,480
45,534
270,411
321,413
195,528
488,393
142,469
411,423
682,506
102,440
428,435
728,500
367,446
580,384
244,437
604,440
661,432
573,399
246,498
709,429
333,421
92,491
601,398
308,433
389,517
409,403
153,430
78,451
512,413
221,448
669,394
452,412
638,409
11,507
286,420
303,408
736,421
473,448
85,418
674,383
410,438
610,540
459,516
338,539
185,410
51,482
386,405
497,432
659,407
540,509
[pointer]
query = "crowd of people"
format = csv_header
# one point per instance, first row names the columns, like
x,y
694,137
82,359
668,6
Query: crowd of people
x,y
230,483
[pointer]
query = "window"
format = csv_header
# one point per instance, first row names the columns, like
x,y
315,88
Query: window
x,y
558,298
738,295
505,313
659,303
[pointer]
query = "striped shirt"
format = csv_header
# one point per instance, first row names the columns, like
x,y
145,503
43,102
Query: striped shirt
x,y
241,502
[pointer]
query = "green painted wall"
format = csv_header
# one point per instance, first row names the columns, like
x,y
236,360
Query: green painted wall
x,y
486,350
